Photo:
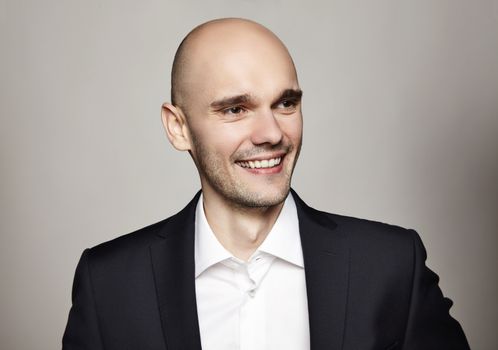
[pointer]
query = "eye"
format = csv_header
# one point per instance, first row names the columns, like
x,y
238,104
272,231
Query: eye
x,y
235,110
288,105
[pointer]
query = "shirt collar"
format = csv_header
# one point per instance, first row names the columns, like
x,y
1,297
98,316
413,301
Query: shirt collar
x,y
283,240
208,250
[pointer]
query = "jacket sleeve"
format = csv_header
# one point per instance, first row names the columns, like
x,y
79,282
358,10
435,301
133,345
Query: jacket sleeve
x,y
82,330
430,326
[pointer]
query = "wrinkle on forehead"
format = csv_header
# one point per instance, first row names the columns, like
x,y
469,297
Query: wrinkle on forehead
x,y
222,43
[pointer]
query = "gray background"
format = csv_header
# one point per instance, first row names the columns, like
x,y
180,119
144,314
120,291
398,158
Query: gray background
x,y
401,126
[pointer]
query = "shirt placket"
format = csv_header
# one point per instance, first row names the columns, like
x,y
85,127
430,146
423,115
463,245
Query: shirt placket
x,y
252,310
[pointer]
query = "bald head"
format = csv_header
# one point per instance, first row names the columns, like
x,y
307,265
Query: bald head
x,y
210,46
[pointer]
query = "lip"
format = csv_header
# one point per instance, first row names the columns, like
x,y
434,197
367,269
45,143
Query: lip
x,y
266,171
264,157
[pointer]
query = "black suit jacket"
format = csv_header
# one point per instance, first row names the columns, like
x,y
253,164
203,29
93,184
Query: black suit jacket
x,y
367,286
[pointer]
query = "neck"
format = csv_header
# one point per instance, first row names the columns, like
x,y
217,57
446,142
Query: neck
x,y
241,230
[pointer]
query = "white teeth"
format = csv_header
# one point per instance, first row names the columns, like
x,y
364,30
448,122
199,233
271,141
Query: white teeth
x,y
265,163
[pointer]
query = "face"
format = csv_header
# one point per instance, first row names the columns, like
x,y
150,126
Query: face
x,y
244,119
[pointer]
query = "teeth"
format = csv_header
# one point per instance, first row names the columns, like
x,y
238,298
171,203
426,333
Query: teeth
x,y
258,164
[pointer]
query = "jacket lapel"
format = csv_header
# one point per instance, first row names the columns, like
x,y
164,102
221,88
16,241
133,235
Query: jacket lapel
x,y
174,274
326,264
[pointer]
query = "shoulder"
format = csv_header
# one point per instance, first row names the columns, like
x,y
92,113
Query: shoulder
x,y
379,252
127,246
137,243
357,231
364,230
374,236
364,238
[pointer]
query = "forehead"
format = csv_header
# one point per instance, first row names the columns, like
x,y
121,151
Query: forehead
x,y
248,62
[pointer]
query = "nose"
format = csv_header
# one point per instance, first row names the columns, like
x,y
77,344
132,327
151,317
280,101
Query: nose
x,y
266,129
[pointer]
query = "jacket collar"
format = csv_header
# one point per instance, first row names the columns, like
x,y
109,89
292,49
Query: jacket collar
x,y
326,261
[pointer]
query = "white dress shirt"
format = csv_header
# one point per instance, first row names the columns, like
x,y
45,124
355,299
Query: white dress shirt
x,y
255,305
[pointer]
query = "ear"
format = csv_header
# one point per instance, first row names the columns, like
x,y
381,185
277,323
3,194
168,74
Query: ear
x,y
175,125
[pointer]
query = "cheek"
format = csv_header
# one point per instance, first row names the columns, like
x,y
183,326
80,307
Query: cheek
x,y
293,128
220,139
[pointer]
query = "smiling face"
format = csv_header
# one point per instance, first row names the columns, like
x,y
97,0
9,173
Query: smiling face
x,y
242,106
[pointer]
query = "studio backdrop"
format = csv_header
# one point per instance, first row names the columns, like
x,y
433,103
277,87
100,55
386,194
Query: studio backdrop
x,y
400,125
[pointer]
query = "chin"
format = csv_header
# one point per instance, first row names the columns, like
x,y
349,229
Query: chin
x,y
262,198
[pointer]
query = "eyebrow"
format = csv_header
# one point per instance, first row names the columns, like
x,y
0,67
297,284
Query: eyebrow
x,y
291,94
230,101
287,94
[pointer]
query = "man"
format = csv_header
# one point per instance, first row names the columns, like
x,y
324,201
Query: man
x,y
247,264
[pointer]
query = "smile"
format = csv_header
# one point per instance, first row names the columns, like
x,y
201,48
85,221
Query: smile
x,y
260,164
